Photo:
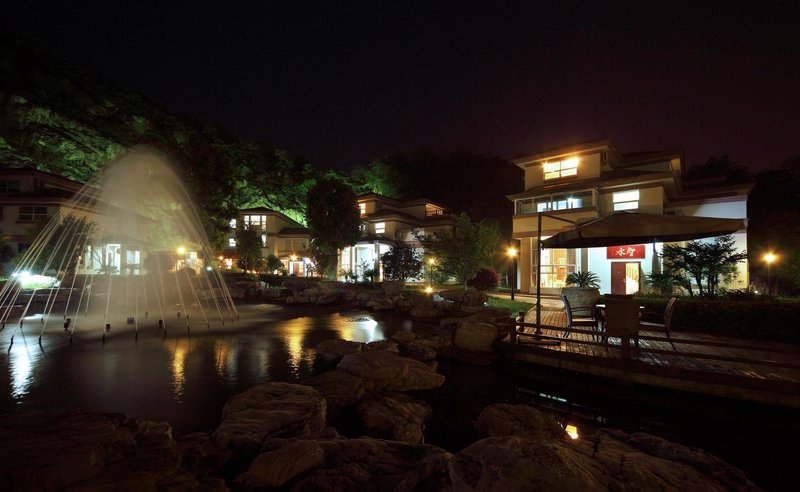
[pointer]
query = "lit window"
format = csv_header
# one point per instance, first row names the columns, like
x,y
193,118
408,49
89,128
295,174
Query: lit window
x,y
264,240
562,169
626,200
28,214
380,227
558,202
362,208
232,242
233,223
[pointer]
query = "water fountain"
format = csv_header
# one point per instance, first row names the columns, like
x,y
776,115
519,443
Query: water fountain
x,y
126,252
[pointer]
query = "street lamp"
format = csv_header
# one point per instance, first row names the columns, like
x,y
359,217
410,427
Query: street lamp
x,y
431,262
512,253
181,253
769,258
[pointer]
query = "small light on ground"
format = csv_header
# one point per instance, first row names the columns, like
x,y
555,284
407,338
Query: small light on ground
x,y
572,431
428,290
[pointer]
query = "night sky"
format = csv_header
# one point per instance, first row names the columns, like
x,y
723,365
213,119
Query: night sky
x,y
341,85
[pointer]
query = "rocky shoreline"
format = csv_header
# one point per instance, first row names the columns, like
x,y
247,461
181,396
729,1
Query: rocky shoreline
x,y
359,426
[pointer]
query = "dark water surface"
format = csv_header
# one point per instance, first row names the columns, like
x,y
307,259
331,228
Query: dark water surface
x,y
186,380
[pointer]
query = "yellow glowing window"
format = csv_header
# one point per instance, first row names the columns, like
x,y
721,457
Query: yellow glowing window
x,y
380,227
561,169
362,208
626,200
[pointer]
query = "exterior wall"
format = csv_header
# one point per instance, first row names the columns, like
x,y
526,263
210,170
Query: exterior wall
x,y
652,199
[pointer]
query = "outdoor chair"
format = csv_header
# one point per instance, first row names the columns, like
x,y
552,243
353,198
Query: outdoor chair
x,y
621,321
665,325
576,321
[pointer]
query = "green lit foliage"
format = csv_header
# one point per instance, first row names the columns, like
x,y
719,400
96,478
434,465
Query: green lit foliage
x,y
58,246
460,254
583,278
665,283
333,219
274,264
401,262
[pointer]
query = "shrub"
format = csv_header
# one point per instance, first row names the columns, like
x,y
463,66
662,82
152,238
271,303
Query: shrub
x,y
485,279
584,279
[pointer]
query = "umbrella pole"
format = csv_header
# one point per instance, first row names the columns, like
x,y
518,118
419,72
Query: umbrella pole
x,y
539,275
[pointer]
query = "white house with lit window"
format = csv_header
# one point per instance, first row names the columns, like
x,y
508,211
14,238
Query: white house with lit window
x,y
29,197
280,236
590,180
385,220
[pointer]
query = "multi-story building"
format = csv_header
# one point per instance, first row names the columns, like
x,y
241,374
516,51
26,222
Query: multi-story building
x,y
280,236
385,220
591,180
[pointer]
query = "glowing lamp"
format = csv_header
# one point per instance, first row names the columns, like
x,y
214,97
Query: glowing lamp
x,y
572,431
429,290
770,257
181,250
512,252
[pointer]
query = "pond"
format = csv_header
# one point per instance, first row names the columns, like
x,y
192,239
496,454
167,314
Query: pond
x,y
186,379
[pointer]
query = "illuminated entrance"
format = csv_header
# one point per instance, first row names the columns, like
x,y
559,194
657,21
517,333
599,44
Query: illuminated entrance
x,y
625,277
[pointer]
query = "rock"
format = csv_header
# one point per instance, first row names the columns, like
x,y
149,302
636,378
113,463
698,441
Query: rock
x,y
331,350
199,454
381,303
340,390
394,416
393,287
387,345
298,299
604,461
419,349
505,419
478,337
386,370
328,298
271,410
275,468
402,337
371,464
88,451
465,297
426,311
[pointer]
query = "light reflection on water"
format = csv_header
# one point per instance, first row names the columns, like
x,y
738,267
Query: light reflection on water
x,y
182,379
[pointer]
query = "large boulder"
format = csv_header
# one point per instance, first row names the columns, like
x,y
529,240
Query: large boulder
x,y
336,348
340,390
271,410
465,297
88,451
605,461
420,349
477,337
394,416
393,287
371,464
506,419
277,467
383,370
387,345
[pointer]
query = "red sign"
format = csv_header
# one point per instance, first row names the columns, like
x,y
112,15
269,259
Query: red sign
x,y
625,252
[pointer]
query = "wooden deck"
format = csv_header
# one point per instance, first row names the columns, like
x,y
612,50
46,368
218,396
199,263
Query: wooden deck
x,y
765,372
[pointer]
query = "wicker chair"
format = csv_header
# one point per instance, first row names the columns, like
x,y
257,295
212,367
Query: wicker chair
x,y
576,321
666,325
621,321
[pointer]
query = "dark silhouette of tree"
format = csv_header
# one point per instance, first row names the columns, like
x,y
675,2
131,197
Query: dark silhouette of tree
x,y
709,261
401,262
248,248
722,167
333,219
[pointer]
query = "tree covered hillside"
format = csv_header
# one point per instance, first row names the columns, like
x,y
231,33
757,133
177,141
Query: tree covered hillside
x,y
59,117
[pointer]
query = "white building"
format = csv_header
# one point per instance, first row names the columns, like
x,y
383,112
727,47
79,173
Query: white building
x,y
591,180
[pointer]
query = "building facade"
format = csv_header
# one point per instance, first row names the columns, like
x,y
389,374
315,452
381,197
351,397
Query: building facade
x,y
281,237
591,180
385,220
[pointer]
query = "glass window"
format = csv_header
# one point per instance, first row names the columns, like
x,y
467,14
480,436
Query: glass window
x,y
362,208
563,202
233,223
380,227
626,200
232,242
264,240
525,206
561,169
557,264
32,213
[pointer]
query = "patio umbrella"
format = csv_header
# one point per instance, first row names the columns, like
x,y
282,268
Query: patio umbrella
x,y
623,228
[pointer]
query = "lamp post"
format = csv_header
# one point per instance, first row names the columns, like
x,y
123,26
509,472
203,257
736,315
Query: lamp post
x,y
181,253
512,253
769,258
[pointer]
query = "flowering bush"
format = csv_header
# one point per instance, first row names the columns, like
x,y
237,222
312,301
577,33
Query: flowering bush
x,y
485,279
